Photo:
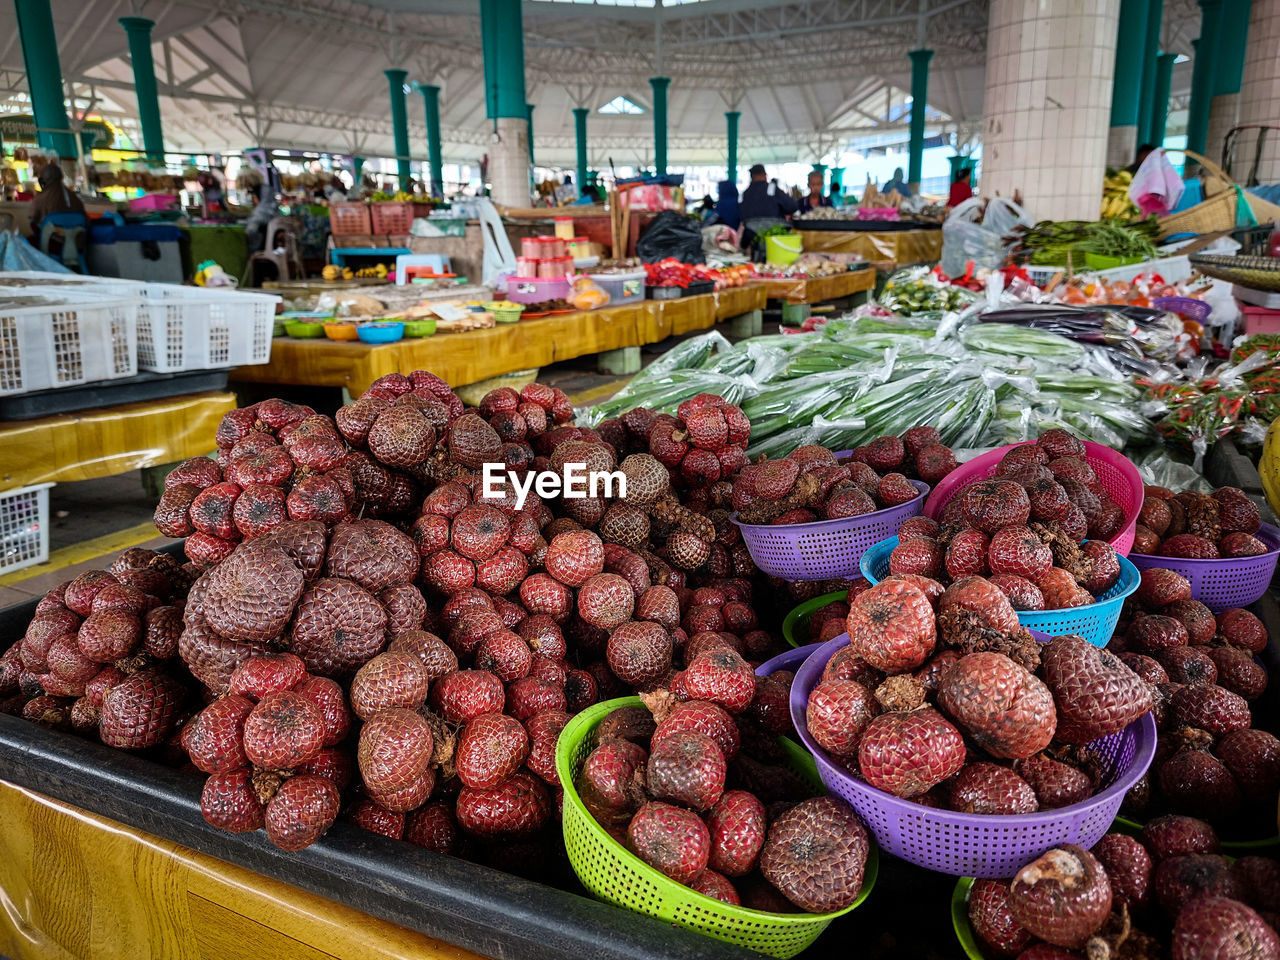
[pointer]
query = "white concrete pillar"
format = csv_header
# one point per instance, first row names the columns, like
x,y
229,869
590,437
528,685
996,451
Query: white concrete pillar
x,y
1050,65
1260,89
1224,113
509,163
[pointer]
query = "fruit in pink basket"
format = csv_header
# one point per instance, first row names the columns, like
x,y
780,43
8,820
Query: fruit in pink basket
x,y
990,505
816,855
1063,897
907,754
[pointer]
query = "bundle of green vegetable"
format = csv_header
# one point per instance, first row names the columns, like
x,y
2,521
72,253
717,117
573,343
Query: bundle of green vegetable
x,y
910,295
1054,242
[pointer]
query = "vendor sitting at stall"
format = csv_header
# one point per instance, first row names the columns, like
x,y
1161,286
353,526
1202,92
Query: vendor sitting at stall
x,y
54,197
815,197
898,184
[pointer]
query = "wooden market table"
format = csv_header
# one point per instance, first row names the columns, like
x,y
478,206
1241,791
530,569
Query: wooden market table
x,y
818,289
463,358
891,247
110,440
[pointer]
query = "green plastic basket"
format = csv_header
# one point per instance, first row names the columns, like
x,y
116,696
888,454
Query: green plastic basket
x,y
797,621
1265,847
1099,261
616,875
960,920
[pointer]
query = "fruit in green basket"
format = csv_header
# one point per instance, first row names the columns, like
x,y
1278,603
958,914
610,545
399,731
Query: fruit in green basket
x,y
992,920
688,768
719,675
816,855
700,716
1006,709
738,827
670,839
1063,897
1212,927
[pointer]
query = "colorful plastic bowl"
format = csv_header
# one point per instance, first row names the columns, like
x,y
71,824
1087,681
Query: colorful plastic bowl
x,y
341,330
388,331
303,329
420,328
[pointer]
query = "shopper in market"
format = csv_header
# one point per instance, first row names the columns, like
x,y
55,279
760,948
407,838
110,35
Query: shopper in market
x,y
960,188
897,183
727,210
1144,151
763,205
815,197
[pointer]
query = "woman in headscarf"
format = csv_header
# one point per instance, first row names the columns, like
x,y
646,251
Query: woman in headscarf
x,y
54,197
726,211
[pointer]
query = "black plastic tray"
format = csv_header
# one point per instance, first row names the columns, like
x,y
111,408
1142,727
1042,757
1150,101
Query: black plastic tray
x,y
110,393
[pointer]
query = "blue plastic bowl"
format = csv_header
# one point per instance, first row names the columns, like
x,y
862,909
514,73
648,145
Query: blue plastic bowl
x,y
388,332
1096,622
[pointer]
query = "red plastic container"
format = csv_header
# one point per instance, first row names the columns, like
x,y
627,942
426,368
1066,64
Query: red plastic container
x,y
1259,319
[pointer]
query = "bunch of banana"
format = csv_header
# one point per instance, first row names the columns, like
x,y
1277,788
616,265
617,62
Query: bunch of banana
x,y
1115,197
402,197
1269,465
379,272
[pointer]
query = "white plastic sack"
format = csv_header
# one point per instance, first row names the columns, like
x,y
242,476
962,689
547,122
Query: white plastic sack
x,y
965,238
1156,187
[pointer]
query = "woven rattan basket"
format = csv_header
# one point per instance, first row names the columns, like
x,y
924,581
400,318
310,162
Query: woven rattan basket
x,y
1221,209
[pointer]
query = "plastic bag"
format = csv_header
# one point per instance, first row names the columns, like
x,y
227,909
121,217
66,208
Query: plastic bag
x,y
586,294
1156,187
972,233
671,234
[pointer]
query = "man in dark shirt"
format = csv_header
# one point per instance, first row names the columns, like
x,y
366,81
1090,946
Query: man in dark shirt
x,y
762,200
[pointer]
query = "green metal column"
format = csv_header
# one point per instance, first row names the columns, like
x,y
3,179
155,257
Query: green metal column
x,y
506,24
731,118
431,104
660,85
1164,84
487,38
919,101
44,76
528,119
580,140
1204,75
399,124
1131,39
1150,51
144,84
1232,34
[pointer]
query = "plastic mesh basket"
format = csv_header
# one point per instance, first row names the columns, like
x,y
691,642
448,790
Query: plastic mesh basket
x,y
1222,584
973,845
24,527
74,336
1119,477
1264,846
1197,310
795,625
969,942
1095,622
616,875
824,549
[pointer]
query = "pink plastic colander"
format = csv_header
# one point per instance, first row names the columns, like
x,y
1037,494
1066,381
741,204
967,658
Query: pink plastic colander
x,y
967,844
1119,477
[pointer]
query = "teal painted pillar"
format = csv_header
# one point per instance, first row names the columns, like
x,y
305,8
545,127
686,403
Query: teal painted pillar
x,y
1150,52
1204,76
1131,40
1232,34
731,118
507,26
580,141
528,119
1164,84
919,101
144,85
357,168
660,86
399,125
431,106
44,76
487,38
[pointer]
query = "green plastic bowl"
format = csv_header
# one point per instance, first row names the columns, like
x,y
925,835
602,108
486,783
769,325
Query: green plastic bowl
x,y
960,920
616,875
303,329
1239,848
420,328
1098,261
797,621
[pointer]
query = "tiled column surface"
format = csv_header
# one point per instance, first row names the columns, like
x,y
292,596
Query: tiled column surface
x,y
1048,103
1260,90
509,167
1223,111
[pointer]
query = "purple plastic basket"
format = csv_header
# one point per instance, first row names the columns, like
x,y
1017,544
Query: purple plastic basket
x,y
1222,584
973,845
824,549
790,660
1197,310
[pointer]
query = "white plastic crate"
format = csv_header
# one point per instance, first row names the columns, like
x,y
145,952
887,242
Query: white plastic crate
x,y
249,319
70,339
194,328
1173,269
80,283
24,527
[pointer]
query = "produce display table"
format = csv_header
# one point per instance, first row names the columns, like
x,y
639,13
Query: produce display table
x,y
462,358
898,246
818,289
111,440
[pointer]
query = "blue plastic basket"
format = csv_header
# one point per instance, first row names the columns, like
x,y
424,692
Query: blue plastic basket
x,y
1095,623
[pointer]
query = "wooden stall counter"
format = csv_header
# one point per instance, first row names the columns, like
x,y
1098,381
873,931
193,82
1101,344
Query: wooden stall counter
x,y
818,289
896,247
463,358
111,440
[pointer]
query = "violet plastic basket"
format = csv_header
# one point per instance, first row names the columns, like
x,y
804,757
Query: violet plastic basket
x,y
791,660
967,844
824,549
1119,477
1222,584
1095,622
1197,310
